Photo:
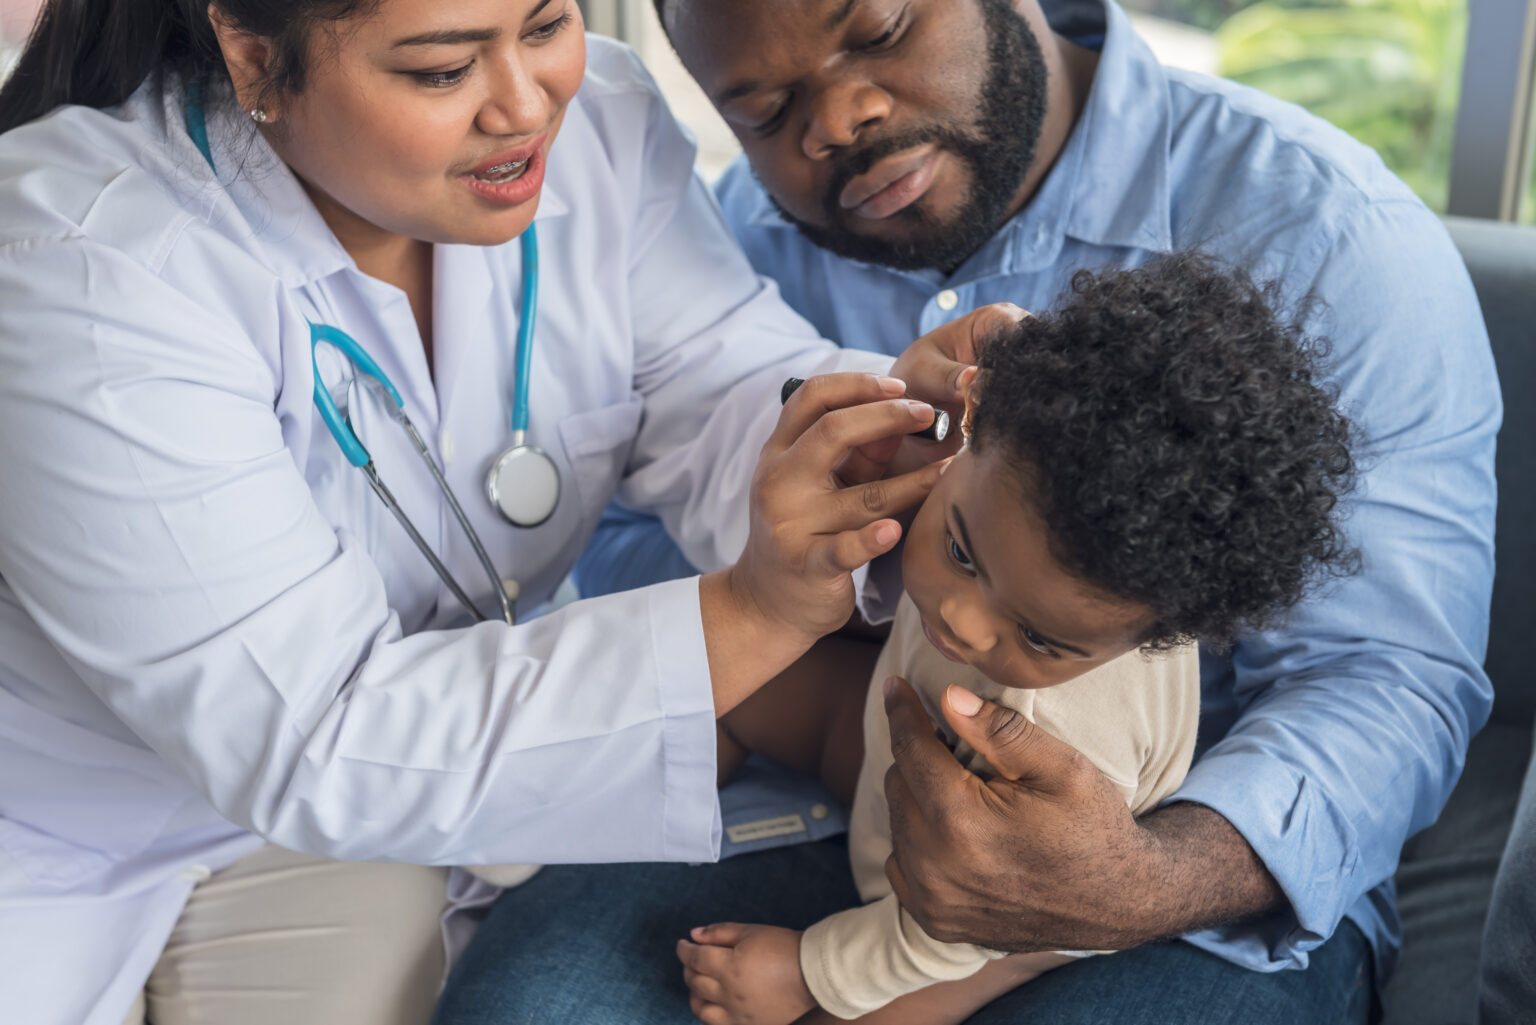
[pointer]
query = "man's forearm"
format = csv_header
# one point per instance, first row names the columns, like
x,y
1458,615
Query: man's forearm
x,y
1046,855
1206,874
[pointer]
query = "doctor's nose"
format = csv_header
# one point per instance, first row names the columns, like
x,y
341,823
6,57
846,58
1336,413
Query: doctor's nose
x,y
840,114
969,623
516,104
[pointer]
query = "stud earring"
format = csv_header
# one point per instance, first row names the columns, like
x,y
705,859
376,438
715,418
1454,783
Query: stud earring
x,y
258,115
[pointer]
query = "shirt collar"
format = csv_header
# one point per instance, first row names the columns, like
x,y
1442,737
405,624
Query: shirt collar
x,y
1109,185
293,239
1124,133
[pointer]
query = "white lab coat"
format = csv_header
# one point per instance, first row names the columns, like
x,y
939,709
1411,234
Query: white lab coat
x,y
211,632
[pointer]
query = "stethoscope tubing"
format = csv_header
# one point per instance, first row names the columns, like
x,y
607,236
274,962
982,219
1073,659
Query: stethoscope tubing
x,y
358,455
526,317
352,447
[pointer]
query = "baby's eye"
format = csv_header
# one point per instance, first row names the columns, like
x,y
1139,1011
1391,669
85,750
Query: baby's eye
x,y
957,554
1037,642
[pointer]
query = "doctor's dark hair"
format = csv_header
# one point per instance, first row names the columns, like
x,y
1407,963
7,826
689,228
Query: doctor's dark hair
x,y
1178,438
97,52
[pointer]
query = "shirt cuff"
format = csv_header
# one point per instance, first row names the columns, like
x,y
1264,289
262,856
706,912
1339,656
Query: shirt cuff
x,y
1302,838
766,805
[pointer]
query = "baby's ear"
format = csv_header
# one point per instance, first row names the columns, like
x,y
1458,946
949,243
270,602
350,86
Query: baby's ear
x,y
970,391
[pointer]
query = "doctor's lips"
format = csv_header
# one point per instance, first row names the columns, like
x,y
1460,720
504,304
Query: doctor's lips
x,y
936,431
511,177
893,183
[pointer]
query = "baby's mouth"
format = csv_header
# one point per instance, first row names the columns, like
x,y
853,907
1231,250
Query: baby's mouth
x,y
943,649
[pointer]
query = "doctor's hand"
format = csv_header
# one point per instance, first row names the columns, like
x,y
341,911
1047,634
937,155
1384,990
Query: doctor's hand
x,y
809,529
1046,856
937,369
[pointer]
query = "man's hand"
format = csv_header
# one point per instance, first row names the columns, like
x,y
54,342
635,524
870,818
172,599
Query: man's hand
x,y
1046,856
744,975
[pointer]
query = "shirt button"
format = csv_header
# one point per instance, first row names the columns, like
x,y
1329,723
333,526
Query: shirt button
x,y
820,811
947,299
445,446
195,873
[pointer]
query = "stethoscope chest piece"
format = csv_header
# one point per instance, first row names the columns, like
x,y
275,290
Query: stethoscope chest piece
x,y
525,485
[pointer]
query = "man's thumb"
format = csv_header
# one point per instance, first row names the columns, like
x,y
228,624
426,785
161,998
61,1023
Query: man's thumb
x,y
1017,748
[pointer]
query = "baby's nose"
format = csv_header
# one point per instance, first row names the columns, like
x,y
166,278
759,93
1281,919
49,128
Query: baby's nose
x,y
969,624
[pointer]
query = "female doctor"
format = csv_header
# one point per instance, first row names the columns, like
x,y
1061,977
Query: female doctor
x,y
228,674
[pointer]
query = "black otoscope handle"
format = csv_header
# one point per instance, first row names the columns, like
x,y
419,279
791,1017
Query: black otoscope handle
x,y
936,431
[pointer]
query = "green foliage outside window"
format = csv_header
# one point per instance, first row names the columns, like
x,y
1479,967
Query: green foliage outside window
x,y
1386,71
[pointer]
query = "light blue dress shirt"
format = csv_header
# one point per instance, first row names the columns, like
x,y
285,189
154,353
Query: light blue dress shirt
x,y
1331,741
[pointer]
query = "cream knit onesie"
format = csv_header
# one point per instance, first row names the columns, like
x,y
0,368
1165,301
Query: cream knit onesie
x,y
1135,718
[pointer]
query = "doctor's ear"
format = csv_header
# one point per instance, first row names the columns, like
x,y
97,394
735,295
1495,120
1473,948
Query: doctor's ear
x,y
250,59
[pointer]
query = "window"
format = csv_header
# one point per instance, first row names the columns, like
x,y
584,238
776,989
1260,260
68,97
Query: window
x,y
1386,71
717,145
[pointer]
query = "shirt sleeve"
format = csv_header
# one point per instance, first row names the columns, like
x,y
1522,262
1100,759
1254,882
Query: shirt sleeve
x,y
157,529
1353,720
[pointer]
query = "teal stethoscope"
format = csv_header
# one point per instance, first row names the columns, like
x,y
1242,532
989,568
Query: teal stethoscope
x,y
523,483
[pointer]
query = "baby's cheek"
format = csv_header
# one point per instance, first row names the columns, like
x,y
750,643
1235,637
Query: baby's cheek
x,y
918,557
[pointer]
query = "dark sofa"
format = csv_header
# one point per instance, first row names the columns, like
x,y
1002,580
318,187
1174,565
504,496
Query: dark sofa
x,y
1447,872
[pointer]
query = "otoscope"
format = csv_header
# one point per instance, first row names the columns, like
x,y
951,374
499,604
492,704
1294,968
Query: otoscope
x,y
936,431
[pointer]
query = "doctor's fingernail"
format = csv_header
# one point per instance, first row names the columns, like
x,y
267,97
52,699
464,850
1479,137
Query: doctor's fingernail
x,y
920,411
1016,312
891,385
889,685
963,700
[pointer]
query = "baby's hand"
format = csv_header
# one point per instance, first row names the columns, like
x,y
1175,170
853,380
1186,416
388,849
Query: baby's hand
x,y
744,975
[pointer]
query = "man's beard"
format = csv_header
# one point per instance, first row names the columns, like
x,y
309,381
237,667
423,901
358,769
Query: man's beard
x,y
998,152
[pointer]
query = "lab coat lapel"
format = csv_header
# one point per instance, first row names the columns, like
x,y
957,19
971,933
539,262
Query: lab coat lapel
x,y
462,287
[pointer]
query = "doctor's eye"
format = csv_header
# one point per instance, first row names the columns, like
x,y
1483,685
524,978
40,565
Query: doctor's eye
x,y
957,554
442,79
552,28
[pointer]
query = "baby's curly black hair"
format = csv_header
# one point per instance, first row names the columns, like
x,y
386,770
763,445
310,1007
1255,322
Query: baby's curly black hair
x,y
1175,433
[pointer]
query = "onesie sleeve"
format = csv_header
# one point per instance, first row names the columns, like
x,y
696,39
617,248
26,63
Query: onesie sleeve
x,y
859,960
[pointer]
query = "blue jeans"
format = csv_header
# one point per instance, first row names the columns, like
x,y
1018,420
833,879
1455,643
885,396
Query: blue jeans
x,y
1508,994
593,945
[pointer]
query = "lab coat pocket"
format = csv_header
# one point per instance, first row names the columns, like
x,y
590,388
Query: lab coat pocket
x,y
597,444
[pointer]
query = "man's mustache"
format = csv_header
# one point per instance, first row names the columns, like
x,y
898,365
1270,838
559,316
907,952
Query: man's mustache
x,y
849,166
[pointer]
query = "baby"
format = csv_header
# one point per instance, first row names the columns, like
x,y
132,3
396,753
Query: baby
x,y
1157,462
